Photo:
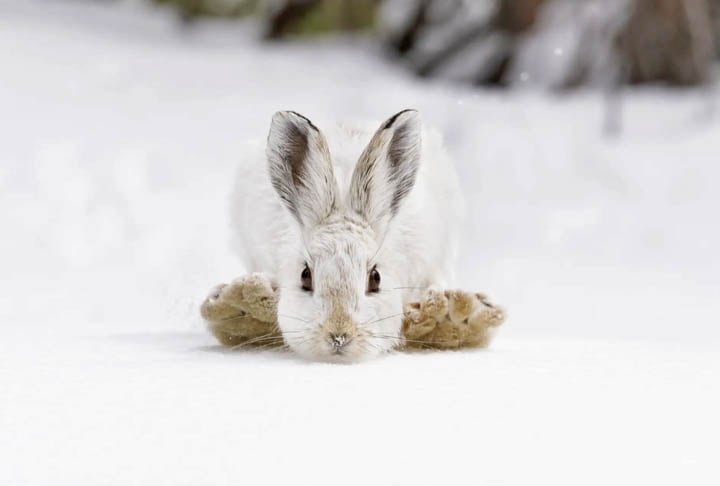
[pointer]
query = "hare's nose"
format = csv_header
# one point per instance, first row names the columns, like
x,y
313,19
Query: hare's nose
x,y
339,340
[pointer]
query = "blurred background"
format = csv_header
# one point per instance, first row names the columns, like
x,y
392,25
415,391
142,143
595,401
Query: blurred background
x,y
585,133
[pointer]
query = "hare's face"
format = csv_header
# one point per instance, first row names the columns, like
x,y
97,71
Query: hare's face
x,y
337,302
338,296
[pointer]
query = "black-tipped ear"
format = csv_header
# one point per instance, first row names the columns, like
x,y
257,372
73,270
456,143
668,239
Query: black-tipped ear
x,y
386,171
301,168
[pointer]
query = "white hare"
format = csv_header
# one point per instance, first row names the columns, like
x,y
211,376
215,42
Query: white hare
x,y
350,227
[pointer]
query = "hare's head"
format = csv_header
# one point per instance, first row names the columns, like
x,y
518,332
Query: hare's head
x,y
339,299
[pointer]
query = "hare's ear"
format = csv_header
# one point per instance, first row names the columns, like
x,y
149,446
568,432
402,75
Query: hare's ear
x,y
386,170
301,168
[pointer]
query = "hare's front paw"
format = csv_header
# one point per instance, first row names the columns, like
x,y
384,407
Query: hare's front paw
x,y
450,319
243,312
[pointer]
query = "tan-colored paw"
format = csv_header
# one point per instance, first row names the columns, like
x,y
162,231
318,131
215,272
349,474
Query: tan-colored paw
x,y
243,312
459,319
252,295
255,294
489,314
416,324
217,307
461,305
434,304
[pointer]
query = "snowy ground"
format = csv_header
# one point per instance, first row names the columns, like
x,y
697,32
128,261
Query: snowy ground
x,y
119,139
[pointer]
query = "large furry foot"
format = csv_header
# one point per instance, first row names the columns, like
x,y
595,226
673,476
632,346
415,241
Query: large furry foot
x,y
449,320
244,312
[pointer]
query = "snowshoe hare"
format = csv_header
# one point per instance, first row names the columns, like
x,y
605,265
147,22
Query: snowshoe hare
x,y
352,237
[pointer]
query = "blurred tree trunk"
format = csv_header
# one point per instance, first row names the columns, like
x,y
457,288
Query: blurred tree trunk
x,y
517,16
667,40
671,41
191,9
407,38
511,18
715,15
312,16
282,17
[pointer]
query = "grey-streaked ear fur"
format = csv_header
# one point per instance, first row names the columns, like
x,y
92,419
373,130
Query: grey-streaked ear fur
x,y
301,168
386,171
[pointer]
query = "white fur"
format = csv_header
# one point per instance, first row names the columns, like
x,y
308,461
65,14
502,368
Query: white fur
x,y
413,250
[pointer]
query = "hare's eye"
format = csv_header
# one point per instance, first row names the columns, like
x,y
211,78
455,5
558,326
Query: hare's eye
x,y
306,279
373,281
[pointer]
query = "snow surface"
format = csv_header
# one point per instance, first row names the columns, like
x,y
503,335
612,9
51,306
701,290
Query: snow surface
x,y
120,135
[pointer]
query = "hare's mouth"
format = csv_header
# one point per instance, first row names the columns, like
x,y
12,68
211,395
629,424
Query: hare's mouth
x,y
339,351
344,351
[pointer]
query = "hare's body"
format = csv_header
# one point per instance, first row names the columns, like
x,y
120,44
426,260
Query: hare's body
x,y
424,234
343,213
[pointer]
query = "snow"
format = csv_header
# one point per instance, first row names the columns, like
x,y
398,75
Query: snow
x,y
121,132
174,409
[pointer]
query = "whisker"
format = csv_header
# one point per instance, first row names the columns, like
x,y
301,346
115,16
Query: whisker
x,y
231,318
293,317
274,335
304,341
382,319
270,335
263,346
373,345
417,341
267,341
